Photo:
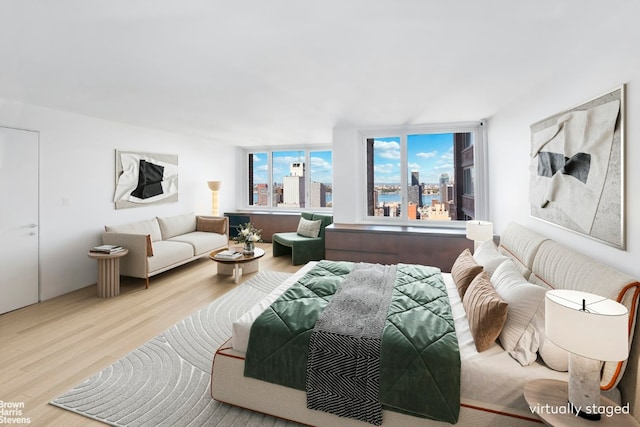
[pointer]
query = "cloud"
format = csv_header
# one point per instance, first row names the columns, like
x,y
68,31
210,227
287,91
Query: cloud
x,y
429,155
319,164
387,149
384,168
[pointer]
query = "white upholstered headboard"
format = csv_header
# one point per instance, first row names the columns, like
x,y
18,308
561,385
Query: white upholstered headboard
x,y
554,266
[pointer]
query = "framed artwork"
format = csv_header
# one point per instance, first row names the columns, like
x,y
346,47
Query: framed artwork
x,y
143,179
577,169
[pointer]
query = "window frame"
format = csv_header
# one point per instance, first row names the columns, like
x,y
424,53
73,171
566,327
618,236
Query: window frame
x,y
480,170
269,150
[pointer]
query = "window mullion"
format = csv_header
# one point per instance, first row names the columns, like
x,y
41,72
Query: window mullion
x,y
404,173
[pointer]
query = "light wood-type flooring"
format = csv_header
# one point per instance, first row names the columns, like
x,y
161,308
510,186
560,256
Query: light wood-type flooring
x,y
47,348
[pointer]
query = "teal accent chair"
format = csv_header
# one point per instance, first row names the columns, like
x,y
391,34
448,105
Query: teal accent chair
x,y
302,249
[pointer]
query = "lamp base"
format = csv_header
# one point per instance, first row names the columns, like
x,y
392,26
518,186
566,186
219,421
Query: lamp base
x,y
584,386
582,414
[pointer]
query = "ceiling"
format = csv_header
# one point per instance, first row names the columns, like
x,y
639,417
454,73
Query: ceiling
x,y
279,72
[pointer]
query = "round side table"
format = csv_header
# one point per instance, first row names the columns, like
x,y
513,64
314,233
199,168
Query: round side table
x,y
108,272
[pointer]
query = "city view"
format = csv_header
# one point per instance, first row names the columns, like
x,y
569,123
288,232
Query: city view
x,y
430,162
438,186
289,172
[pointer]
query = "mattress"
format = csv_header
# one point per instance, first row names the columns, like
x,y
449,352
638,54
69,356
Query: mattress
x,y
491,376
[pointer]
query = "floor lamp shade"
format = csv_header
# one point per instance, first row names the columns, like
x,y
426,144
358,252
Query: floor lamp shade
x,y
214,186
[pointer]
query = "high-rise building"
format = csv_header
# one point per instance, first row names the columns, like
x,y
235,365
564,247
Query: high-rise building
x,y
317,195
293,187
415,189
464,195
263,194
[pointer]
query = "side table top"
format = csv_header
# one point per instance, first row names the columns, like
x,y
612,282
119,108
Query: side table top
x,y
101,255
548,399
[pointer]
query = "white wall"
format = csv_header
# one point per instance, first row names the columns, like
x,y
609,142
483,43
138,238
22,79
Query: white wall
x,y
509,142
347,176
508,152
77,181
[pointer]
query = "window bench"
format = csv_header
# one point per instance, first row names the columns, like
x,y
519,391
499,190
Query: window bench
x,y
388,244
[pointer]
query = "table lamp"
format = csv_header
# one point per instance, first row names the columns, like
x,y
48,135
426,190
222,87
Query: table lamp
x,y
479,231
592,329
214,186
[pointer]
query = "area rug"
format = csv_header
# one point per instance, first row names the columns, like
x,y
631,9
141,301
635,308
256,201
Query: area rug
x,y
166,382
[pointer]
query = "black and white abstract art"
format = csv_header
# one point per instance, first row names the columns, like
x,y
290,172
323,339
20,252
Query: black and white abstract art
x,y
145,178
577,176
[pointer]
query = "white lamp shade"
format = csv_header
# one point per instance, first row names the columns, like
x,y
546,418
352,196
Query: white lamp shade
x,y
479,231
214,185
600,332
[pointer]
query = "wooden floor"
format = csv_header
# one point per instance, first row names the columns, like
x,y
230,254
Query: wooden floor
x,y
47,348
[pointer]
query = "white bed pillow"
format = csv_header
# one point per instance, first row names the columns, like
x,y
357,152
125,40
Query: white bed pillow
x,y
488,257
520,336
553,356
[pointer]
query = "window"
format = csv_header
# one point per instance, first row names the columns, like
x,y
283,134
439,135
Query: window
x,y
290,179
438,169
258,179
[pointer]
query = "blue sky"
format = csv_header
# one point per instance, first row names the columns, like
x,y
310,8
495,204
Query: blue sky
x,y
321,168
429,154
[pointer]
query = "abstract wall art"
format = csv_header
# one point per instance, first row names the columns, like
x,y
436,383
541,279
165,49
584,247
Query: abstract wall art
x,y
577,169
145,178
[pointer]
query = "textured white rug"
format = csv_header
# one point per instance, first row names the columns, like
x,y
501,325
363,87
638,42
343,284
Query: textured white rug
x,y
166,381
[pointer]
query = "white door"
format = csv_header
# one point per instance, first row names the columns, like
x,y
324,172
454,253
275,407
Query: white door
x,y
18,218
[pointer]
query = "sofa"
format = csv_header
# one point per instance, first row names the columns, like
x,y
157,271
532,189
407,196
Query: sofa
x,y
307,243
162,243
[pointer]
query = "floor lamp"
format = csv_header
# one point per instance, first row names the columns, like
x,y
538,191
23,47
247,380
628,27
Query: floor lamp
x,y
214,186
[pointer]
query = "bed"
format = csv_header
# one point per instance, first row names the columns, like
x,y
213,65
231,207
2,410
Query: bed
x,y
491,381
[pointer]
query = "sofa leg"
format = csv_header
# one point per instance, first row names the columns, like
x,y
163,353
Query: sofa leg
x,y
147,285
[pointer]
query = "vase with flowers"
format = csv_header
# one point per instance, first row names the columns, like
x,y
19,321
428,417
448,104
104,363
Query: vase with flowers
x,y
248,235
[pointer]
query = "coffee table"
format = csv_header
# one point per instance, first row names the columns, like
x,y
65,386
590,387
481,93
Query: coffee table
x,y
231,267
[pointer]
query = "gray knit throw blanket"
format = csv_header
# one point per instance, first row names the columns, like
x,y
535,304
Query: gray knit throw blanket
x,y
343,367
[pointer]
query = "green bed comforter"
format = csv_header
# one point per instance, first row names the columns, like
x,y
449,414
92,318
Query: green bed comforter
x,y
420,361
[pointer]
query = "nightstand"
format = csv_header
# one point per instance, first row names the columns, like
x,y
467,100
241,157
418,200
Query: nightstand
x,y
548,399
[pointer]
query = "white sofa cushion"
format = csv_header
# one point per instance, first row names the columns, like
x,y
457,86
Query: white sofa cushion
x,y
149,226
166,254
172,226
202,241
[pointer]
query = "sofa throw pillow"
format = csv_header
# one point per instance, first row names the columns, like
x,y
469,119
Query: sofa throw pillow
x,y
211,225
308,228
464,270
486,312
520,336
488,257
